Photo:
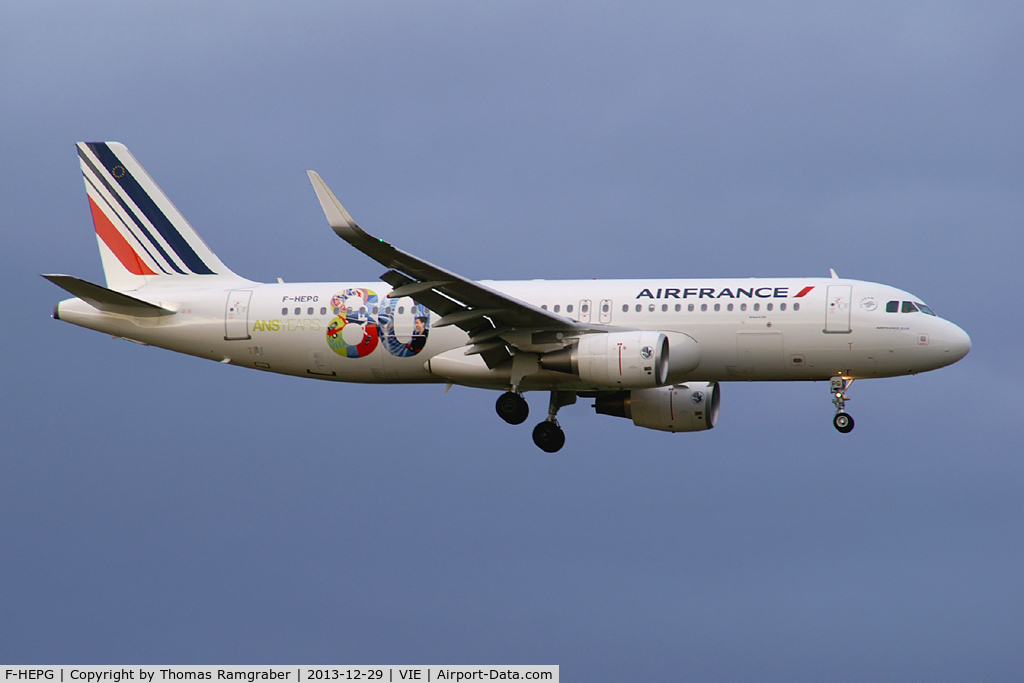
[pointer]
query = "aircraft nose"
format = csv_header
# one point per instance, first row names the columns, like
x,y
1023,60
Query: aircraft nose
x,y
958,342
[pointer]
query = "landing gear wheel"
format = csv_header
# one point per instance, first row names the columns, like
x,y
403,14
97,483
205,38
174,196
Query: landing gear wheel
x,y
548,436
512,408
843,422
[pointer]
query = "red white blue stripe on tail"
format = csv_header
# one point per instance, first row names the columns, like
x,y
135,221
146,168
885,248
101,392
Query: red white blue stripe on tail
x,y
141,233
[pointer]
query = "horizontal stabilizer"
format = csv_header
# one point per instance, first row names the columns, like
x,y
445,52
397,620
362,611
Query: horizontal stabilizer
x,y
107,299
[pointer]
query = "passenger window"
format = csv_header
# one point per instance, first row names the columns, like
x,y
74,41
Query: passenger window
x,y
703,307
909,307
401,310
729,307
782,307
892,307
638,307
718,307
679,307
690,308
323,310
284,311
568,309
584,308
605,308
298,311
625,308
309,311
796,307
743,307
768,307
557,308
664,307
544,306
757,307
651,308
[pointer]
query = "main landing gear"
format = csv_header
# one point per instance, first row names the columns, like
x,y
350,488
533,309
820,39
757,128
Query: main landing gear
x,y
512,408
548,436
842,421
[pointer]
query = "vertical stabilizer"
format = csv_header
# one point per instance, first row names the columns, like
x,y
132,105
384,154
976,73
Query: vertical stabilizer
x,y
141,235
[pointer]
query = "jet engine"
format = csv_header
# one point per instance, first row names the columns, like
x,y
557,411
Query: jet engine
x,y
690,407
627,360
619,359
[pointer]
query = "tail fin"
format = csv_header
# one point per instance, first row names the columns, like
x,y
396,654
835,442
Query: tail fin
x,y
141,234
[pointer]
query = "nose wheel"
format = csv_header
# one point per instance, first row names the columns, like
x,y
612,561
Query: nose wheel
x,y
843,421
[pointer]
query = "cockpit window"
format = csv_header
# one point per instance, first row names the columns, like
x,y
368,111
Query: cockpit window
x,y
909,307
892,307
924,309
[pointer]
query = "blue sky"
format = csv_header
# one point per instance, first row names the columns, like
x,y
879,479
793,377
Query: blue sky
x,y
156,508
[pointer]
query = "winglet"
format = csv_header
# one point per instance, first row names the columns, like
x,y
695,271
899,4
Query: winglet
x,y
337,216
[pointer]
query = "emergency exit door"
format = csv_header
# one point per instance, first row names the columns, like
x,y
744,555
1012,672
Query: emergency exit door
x,y
584,316
605,314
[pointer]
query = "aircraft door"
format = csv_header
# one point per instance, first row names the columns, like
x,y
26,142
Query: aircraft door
x,y
585,311
606,311
236,315
837,309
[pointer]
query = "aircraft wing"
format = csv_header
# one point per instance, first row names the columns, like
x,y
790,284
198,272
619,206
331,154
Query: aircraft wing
x,y
486,314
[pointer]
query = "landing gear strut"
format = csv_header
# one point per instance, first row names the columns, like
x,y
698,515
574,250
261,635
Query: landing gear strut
x,y
512,408
548,436
842,421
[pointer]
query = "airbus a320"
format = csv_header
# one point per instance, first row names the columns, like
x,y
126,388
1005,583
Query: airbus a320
x,y
651,350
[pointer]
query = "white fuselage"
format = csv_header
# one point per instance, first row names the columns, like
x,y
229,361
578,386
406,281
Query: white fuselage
x,y
752,329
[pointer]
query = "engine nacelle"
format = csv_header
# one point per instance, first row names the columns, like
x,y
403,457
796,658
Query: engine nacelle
x,y
683,357
690,407
625,360
628,360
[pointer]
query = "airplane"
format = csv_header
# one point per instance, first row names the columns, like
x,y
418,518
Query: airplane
x,y
651,350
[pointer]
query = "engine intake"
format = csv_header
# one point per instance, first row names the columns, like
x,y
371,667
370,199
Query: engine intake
x,y
690,407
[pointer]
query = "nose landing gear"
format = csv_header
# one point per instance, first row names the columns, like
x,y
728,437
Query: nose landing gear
x,y
842,421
